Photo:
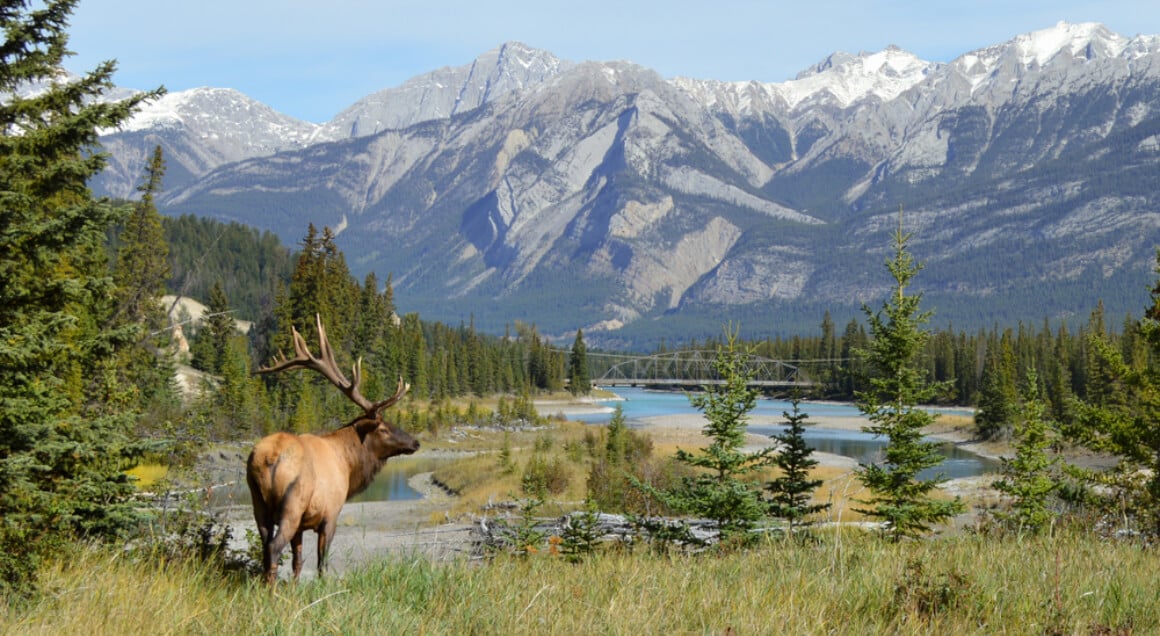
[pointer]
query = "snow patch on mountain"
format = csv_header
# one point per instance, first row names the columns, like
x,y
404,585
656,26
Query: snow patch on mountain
x,y
1038,47
842,79
885,74
215,112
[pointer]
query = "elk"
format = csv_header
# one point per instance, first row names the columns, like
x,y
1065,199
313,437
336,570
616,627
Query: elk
x,y
300,482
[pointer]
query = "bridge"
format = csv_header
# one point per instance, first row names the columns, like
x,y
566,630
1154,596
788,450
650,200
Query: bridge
x,y
691,368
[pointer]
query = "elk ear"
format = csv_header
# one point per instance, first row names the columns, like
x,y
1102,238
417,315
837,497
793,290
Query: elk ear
x,y
366,426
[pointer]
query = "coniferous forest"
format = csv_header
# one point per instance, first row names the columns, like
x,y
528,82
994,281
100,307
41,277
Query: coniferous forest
x,y
94,380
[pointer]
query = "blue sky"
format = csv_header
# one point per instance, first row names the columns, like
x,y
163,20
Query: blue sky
x,y
313,59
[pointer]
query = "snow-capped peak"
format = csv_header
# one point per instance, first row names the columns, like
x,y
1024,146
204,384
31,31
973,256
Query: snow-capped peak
x,y
841,78
218,111
1038,47
848,78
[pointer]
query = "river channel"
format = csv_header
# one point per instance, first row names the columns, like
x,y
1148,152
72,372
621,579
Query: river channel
x,y
860,446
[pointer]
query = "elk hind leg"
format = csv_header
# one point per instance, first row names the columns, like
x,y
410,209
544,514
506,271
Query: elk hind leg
x,y
296,553
264,518
325,534
273,553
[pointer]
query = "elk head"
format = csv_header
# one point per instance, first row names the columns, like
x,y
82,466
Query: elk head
x,y
380,437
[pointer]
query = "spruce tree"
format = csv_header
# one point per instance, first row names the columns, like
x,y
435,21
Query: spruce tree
x,y
897,387
792,491
218,327
719,492
998,396
63,446
1120,411
580,382
1027,477
615,447
140,274
143,257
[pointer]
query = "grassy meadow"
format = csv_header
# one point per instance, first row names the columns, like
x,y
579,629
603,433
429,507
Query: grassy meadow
x,y
844,580
847,582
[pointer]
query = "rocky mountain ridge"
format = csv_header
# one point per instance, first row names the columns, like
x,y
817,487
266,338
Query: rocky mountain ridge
x,y
601,195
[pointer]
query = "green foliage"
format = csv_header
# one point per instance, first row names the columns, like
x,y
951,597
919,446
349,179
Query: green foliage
x,y
140,271
791,492
64,436
998,396
616,446
719,493
248,264
579,381
208,349
581,535
1119,411
526,536
1027,477
505,455
897,386
623,462
543,477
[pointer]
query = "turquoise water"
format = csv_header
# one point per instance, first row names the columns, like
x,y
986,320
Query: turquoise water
x,y
860,446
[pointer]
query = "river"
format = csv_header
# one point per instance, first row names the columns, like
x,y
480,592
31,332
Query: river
x,y
862,447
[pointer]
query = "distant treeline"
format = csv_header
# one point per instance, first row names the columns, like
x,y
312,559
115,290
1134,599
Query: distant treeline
x,y
263,280
969,364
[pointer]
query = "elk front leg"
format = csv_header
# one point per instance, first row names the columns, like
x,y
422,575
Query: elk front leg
x,y
325,534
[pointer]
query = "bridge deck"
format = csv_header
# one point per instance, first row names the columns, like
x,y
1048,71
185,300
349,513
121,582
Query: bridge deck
x,y
694,383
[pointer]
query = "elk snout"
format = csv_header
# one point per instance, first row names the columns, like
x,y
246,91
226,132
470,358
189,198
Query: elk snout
x,y
409,445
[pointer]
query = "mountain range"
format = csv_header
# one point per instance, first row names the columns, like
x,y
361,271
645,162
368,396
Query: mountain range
x,y
600,195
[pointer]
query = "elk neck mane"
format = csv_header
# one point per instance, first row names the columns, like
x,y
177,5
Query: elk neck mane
x,y
364,465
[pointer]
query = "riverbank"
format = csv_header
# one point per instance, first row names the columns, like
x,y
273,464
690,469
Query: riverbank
x,y
685,429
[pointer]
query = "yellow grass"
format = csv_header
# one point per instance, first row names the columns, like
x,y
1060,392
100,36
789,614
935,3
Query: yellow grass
x,y
147,475
482,479
846,583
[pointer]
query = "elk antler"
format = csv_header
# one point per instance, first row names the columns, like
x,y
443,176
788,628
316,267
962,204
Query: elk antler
x,y
327,366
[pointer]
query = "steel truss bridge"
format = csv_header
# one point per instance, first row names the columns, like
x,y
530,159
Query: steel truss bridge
x,y
692,368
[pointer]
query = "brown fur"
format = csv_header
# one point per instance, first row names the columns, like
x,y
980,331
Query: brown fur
x,y
300,482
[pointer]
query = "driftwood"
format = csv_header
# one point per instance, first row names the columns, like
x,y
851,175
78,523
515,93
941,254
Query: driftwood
x,y
517,534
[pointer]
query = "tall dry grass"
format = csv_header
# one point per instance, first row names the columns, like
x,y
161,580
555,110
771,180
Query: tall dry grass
x,y
847,583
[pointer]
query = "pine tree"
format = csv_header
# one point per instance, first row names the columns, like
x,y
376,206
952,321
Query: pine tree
x,y
142,269
579,381
719,493
791,493
998,396
897,387
63,446
615,447
143,258
209,347
1027,477
1120,411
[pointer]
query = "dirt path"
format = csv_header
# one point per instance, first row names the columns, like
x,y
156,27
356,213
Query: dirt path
x,y
372,530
